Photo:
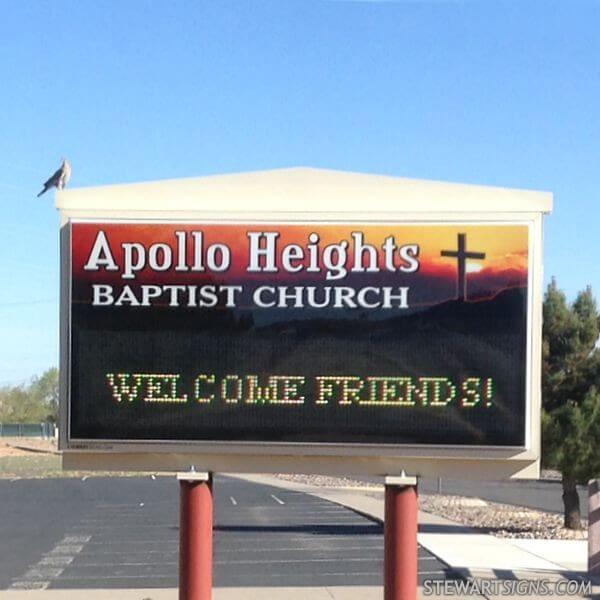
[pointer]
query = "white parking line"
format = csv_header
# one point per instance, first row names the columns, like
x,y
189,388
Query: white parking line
x,y
269,538
318,511
298,511
316,517
76,539
312,502
111,542
337,550
233,500
66,549
234,537
297,561
341,573
231,562
279,500
56,561
128,553
119,527
161,563
52,564
128,505
142,577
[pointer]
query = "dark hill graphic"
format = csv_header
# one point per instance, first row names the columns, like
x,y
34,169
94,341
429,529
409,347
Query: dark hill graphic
x,y
490,314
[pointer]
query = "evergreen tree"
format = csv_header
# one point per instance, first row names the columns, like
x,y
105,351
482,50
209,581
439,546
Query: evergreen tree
x,y
571,401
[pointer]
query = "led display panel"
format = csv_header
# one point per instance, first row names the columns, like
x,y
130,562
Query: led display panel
x,y
354,333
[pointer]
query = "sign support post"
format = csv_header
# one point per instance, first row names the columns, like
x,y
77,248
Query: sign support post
x,y
594,528
400,538
195,535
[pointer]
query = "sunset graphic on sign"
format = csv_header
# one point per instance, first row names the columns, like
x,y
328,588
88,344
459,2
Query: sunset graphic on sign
x,y
495,257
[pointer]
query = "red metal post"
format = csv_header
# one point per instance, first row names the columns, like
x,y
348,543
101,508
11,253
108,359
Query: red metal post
x,y
195,536
400,538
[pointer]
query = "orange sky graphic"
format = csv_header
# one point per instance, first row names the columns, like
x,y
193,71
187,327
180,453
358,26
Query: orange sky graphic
x,y
505,246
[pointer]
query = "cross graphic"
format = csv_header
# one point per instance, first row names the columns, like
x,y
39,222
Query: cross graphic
x,y
462,255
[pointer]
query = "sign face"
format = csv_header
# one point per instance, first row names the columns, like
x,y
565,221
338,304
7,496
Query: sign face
x,y
353,333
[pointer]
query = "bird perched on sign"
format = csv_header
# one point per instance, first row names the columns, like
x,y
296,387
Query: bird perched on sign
x,y
60,179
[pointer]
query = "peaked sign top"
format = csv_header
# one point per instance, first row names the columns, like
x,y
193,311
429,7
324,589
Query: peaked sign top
x,y
297,190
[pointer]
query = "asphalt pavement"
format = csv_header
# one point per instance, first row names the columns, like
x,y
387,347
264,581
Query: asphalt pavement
x,y
541,495
537,494
123,533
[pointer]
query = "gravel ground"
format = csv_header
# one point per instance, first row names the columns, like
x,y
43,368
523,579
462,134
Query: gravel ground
x,y
501,520
326,481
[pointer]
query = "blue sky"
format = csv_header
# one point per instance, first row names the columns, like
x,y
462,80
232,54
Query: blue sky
x,y
497,93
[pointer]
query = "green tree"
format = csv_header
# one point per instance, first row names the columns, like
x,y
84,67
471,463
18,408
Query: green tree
x,y
44,392
33,403
571,401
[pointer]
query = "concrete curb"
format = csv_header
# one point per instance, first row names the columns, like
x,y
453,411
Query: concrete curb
x,y
278,593
314,593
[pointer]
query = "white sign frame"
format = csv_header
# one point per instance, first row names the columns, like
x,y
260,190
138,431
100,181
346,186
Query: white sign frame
x,y
420,204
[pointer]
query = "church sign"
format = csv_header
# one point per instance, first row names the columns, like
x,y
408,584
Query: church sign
x,y
324,344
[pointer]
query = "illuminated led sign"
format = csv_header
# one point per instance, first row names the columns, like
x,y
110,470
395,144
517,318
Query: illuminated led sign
x,y
317,332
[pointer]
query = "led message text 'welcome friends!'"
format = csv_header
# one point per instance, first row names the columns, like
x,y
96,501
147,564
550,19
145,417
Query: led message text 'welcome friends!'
x,y
348,333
